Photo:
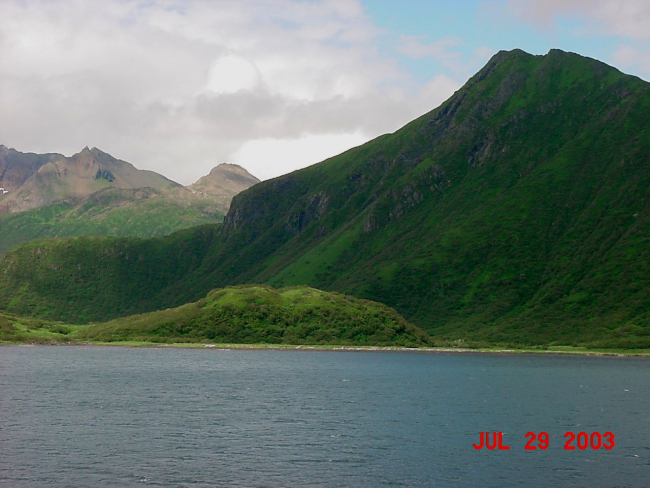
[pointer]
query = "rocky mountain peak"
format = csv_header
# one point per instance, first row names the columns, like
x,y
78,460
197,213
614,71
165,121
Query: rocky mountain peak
x,y
228,167
225,179
49,178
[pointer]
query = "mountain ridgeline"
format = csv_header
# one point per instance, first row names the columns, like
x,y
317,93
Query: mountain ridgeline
x,y
41,202
48,178
516,213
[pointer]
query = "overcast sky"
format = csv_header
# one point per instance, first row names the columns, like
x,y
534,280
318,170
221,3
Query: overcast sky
x,y
179,86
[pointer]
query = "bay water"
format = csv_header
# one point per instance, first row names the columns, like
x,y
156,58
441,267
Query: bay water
x,y
87,416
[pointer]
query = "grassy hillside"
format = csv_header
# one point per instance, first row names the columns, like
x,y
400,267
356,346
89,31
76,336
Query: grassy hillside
x,y
251,314
516,212
15,329
93,278
255,314
142,212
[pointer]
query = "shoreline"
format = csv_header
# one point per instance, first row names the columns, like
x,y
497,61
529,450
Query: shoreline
x,y
554,351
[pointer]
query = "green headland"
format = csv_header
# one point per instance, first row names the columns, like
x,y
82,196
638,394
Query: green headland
x,y
251,314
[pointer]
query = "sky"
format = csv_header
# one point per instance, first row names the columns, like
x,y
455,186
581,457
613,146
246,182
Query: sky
x,y
180,86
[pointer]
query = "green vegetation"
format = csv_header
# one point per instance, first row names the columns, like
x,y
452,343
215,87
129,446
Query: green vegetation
x,y
118,276
516,214
143,212
15,329
263,315
241,315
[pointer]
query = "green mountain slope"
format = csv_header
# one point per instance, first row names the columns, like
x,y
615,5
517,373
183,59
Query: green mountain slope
x,y
92,278
142,212
15,329
515,212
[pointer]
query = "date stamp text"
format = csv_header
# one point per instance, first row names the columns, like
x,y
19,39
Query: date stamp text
x,y
580,440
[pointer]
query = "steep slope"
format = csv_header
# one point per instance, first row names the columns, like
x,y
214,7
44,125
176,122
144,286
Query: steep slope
x,y
515,212
139,212
91,278
77,176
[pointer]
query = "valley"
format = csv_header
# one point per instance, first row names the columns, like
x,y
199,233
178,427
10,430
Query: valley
x,y
514,214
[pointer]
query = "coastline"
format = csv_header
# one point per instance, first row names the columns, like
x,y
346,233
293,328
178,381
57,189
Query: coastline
x,y
551,350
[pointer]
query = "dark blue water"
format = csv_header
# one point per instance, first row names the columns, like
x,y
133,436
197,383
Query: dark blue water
x,y
122,417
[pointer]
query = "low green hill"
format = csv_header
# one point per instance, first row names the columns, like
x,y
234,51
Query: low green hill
x,y
253,314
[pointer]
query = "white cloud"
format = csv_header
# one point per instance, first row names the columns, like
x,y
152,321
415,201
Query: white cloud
x,y
443,51
630,57
263,157
181,87
626,18
231,73
414,48
629,18
438,90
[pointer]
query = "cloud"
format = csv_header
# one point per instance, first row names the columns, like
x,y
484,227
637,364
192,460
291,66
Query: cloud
x,y
629,20
231,73
436,91
626,18
414,48
628,57
180,87
443,51
262,155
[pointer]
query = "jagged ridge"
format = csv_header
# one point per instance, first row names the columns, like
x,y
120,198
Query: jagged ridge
x,y
132,212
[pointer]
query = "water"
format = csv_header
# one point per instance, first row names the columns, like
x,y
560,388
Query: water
x,y
123,417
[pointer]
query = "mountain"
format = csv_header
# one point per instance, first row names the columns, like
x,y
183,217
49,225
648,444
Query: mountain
x,y
52,178
222,184
17,167
132,212
514,213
